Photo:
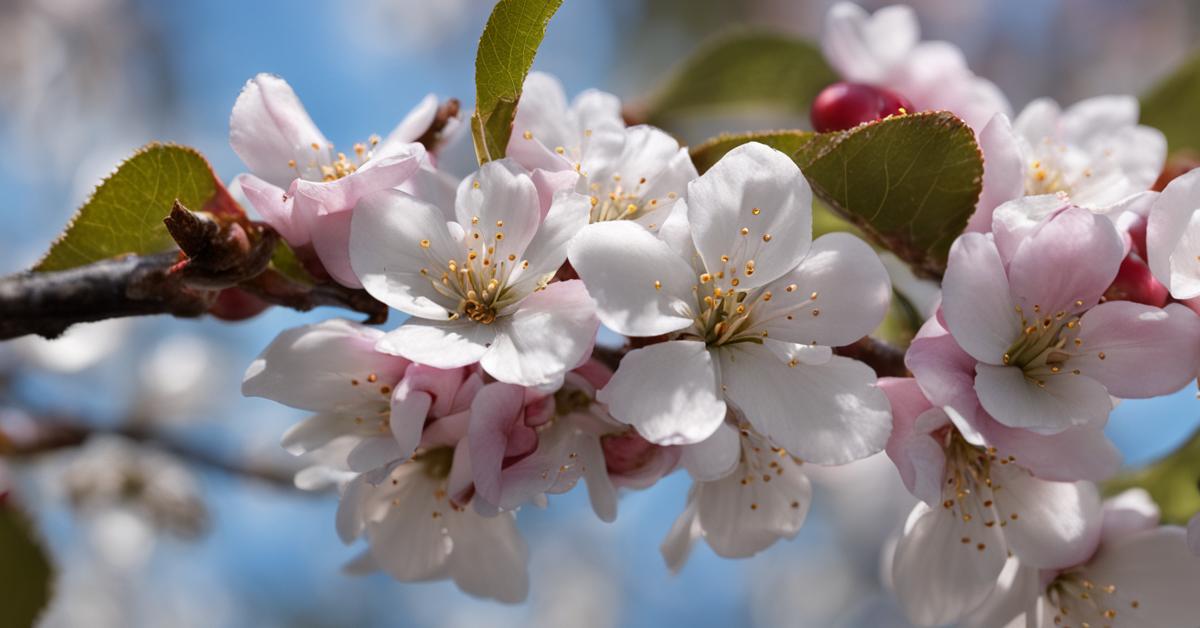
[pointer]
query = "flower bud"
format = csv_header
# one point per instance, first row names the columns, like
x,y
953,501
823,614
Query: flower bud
x,y
846,105
1135,283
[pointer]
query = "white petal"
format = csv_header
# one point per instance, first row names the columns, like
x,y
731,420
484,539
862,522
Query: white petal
x,y
500,205
1015,595
1015,220
374,453
827,414
567,216
1127,513
551,332
541,124
938,577
393,237
743,513
975,299
348,521
601,492
270,128
1096,116
851,289
489,558
324,366
1003,172
1038,120
721,209
641,287
677,546
1170,217
321,429
412,127
1154,568
864,47
668,392
407,542
1057,524
443,345
714,457
1063,401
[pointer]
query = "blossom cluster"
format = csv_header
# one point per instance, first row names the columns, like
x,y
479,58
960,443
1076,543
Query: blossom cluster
x,y
1073,285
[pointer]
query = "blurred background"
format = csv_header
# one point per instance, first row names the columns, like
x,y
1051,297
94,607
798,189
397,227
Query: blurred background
x,y
144,536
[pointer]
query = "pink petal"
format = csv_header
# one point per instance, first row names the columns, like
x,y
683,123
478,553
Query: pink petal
x,y
975,299
1066,264
1132,336
1059,402
495,411
917,456
945,372
276,209
1078,453
1003,172
270,128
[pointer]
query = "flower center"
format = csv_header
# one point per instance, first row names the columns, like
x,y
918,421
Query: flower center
x,y
1045,176
326,164
479,284
968,492
1046,343
1081,602
621,200
729,316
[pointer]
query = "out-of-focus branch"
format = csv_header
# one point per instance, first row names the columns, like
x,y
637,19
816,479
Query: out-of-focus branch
x,y
885,358
58,433
212,256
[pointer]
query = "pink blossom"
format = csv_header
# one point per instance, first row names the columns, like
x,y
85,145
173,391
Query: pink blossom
x,y
751,307
1024,304
980,505
635,173
884,49
1095,153
476,277
301,185
1140,574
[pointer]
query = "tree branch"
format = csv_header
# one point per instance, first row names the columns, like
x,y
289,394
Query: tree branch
x,y
185,283
887,359
58,433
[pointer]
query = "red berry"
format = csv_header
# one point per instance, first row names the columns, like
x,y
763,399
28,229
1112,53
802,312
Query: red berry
x,y
235,304
846,105
1135,283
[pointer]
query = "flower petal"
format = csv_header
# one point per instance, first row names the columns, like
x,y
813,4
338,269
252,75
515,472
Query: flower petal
x,y
945,372
668,392
276,209
497,407
743,514
754,209
641,287
331,242
406,542
1015,596
827,414
1170,217
1059,402
393,236
1050,524
975,299
551,332
1003,172
498,207
1016,220
938,577
838,294
917,456
1072,258
329,365
489,558
269,129
1127,513
714,457
1131,336
864,48
443,345
1077,453
1154,568
567,216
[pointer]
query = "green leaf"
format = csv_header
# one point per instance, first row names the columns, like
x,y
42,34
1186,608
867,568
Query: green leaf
x,y
284,260
1171,481
25,571
710,152
749,69
908,182
506,50
1171,106
125,213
